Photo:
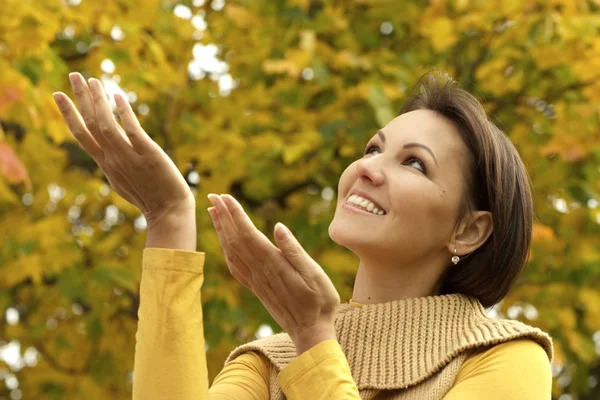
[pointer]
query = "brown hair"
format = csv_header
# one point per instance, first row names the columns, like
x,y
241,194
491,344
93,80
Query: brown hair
x,y
496,181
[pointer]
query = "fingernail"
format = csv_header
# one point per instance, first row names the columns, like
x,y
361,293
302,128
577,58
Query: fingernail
x,y
94,83
211,196
73,77
282,232
55,96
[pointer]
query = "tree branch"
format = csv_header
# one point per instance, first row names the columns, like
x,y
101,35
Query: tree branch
x,y
85,369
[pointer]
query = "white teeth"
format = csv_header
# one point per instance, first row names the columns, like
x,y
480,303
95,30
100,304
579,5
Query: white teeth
x,y
364,204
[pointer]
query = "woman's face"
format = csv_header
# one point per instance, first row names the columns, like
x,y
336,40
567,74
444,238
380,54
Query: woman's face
x,y
413,173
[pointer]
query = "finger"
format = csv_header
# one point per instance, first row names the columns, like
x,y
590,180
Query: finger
x,y
85,103
77,126
248,232
292,249
251,247
136,134
243,274
230,231
107,125
237,268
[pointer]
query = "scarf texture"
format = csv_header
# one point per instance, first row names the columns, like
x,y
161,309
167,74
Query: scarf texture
x,y
405,349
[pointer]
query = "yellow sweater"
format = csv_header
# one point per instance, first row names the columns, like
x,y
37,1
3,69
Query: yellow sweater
x,y
170,360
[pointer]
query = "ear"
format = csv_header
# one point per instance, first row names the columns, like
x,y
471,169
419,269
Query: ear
x,y
472,232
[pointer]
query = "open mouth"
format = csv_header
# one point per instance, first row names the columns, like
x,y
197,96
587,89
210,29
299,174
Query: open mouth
x,y
364,204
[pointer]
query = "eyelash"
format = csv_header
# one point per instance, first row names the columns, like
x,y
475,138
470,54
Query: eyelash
x,y
412,157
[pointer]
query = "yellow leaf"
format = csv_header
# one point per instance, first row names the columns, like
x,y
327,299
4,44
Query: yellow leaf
x,y
339,260
347,150
590,299
581,345
281,67
239,15
306,141
105,23
307,40
303,4
293,153
7,196
567,318
441,33
542,233
227,291
11,166
21,268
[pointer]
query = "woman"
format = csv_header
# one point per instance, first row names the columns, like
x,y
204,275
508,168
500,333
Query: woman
x,y
438,210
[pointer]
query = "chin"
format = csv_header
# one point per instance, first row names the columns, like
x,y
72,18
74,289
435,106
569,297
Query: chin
x,y
346,235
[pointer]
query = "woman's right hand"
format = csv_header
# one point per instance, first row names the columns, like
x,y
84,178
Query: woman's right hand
x,y
135,166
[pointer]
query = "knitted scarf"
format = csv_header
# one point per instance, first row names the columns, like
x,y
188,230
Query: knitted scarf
x,y
405,349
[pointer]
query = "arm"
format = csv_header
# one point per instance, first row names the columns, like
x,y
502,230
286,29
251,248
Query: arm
x,y
318,374
170,361
296,292
518,369
169,352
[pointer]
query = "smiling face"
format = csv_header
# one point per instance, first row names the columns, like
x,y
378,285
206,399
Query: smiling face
x,y
413,170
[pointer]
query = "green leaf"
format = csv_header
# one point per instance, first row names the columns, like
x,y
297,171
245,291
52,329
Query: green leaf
x,y
381,105
71,284
94,327
101,367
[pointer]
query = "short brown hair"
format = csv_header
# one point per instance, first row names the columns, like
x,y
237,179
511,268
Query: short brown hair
x,y
496,181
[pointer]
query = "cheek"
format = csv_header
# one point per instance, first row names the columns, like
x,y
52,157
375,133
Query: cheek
x,y
423,211
345,181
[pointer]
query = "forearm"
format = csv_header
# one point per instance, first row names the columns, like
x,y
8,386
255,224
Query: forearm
x,y
312,336
170,359
320,373
174,230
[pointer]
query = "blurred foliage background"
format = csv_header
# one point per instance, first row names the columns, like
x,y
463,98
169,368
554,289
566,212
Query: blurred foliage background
x,y
269,100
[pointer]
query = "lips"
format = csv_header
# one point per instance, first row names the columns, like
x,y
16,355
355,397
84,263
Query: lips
x,y
365,195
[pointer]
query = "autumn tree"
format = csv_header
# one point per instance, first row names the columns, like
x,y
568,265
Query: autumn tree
x,y
269,101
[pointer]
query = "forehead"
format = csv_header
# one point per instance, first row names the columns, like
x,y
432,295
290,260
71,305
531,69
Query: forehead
x,y
429,128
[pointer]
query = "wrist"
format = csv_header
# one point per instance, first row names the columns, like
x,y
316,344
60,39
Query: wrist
x,y
307,338
175,229
171,213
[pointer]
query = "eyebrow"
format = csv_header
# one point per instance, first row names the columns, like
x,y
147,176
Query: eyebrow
x,y
409,145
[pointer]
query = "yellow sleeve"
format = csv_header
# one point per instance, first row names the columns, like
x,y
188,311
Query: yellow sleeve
x,y
515,370
246,377
170,360
319,373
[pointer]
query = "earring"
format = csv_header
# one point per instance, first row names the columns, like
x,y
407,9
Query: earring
x,y
455,258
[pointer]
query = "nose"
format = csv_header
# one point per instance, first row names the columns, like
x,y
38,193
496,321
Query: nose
x,y
369,170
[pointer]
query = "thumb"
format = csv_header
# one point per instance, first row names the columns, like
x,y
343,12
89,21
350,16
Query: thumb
x,y
289,246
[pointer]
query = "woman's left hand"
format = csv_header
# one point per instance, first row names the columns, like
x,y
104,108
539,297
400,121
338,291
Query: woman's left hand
x,y
290,284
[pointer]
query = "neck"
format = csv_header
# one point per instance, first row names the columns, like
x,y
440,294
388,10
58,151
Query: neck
x,y
376,283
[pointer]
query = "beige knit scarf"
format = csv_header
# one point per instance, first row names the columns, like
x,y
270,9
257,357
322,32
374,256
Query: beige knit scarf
x,y
405,349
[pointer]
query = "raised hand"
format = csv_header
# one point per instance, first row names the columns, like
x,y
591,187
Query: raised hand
x,y
135,166
291,285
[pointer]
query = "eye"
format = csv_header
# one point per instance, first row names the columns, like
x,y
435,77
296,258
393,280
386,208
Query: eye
x,y
410,160
416,160
370,148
